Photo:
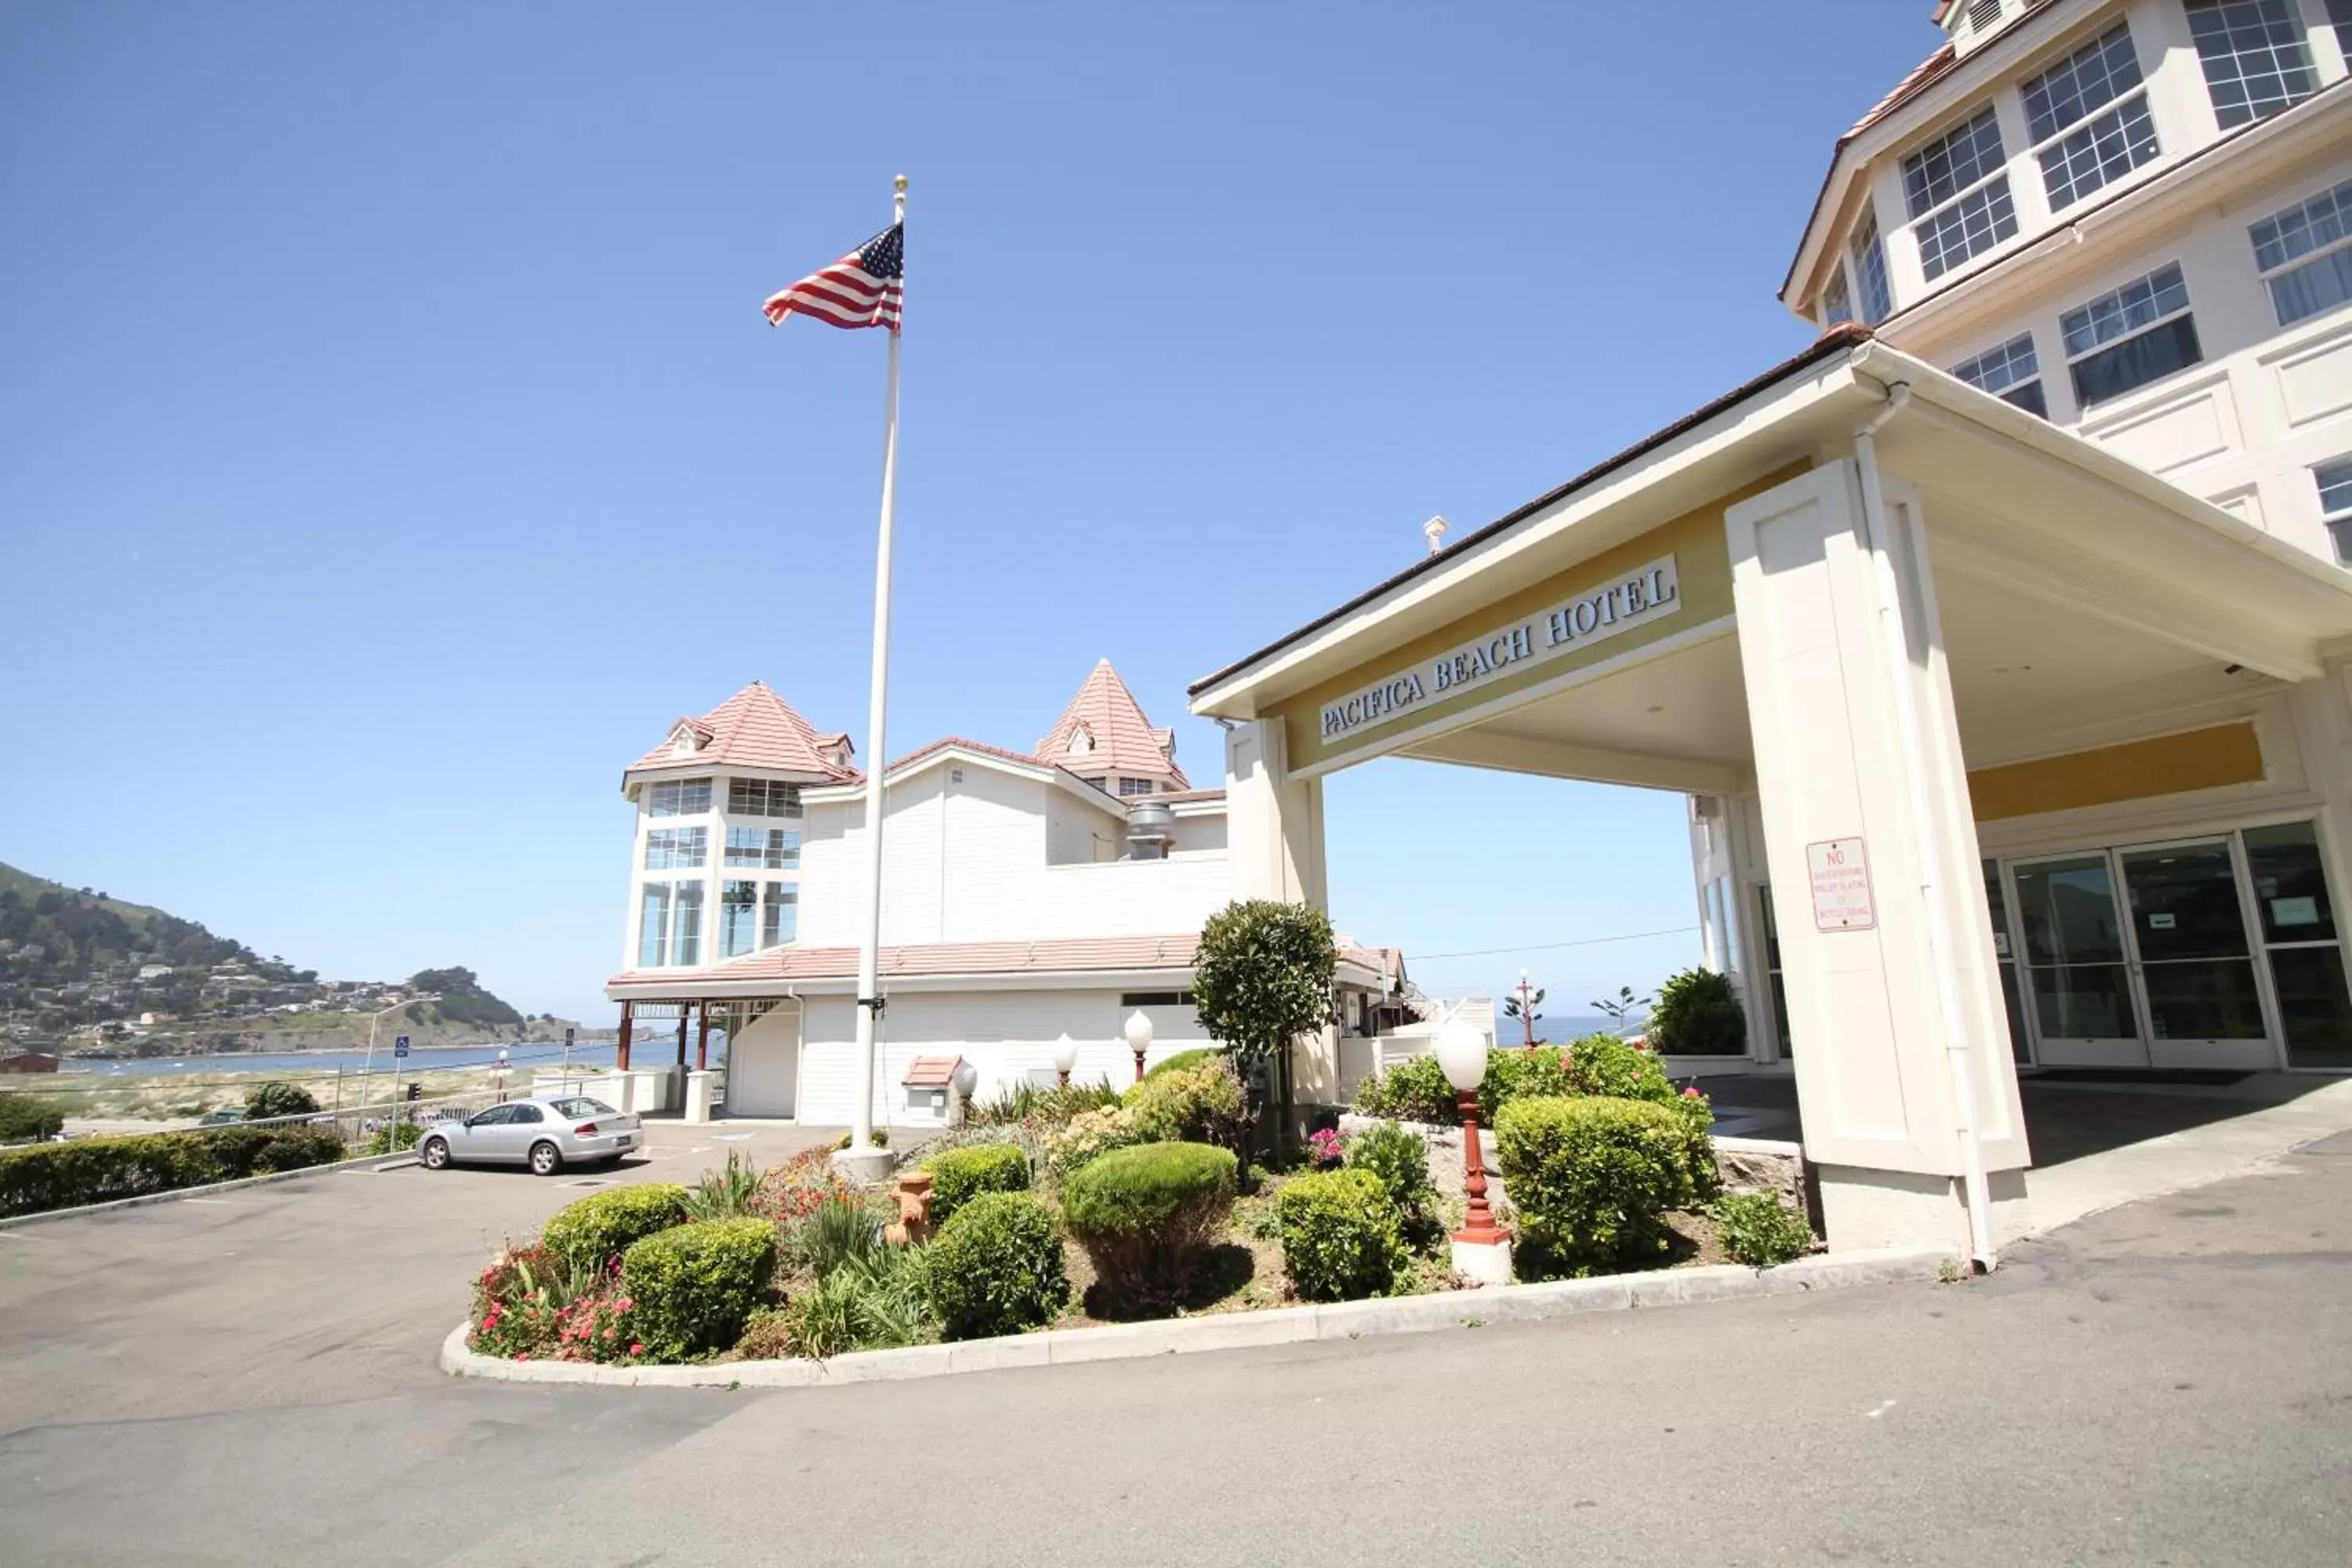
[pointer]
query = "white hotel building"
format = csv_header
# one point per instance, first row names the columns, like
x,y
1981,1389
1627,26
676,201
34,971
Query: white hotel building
x,y
1026,896
2002,639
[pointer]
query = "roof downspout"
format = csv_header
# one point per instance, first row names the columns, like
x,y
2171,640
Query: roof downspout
x,y
1942,950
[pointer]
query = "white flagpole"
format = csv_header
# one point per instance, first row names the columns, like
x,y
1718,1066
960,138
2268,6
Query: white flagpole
x,y
869,951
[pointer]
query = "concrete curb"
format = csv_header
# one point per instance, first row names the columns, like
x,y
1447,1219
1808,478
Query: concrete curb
x,y
365,1161
1278,1326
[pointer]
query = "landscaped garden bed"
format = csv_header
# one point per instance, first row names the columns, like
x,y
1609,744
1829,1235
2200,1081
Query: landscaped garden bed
x,y
1081,1207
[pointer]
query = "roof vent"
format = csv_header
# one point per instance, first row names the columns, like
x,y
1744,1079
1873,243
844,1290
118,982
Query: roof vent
x,y
1149,828
1434,530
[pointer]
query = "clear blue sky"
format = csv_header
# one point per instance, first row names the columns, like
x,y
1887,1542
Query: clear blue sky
x,y
390,445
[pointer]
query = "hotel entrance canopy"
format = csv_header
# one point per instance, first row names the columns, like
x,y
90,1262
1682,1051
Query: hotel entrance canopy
x,y
1880,605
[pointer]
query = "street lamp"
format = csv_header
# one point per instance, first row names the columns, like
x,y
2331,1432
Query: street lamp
x,y
1482,1249
502,1075
1066,1056
1139,1038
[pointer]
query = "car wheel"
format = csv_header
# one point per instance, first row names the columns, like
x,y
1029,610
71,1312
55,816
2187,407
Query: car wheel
x,y
545,1160
434,1155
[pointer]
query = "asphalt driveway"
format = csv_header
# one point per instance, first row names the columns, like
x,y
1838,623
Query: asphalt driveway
x,y
253,1383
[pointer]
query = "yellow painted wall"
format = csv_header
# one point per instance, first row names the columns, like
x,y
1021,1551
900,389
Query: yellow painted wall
x,y
2136,770
1702,563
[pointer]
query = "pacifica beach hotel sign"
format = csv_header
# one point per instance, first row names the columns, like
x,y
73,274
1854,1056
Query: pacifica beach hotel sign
x,y
1617,605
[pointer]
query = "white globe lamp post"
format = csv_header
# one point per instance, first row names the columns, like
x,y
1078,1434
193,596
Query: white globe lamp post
x,y
1066,1056
1139,1038
1482,1249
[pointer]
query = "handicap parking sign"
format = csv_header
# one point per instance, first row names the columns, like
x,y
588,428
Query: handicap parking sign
x,y
400,1045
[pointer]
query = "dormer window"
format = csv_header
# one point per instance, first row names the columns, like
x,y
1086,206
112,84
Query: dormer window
x,y
1837,300
1973,21
1082,741
1956,186
1868,253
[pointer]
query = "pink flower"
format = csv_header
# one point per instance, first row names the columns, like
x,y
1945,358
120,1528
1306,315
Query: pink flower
x,y
1690,1091
519,1355
636,1348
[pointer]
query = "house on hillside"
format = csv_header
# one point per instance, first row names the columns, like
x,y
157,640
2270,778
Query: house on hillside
x,y
1026,895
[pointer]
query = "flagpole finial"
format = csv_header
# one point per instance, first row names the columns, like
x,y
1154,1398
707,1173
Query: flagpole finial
x,y
899,201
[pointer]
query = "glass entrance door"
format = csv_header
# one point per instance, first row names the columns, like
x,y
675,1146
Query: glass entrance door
x,y
2194,963
2078,971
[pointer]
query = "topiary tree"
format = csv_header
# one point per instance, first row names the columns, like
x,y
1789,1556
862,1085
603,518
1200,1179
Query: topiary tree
x,y
1261,979
277,1098
1697,1014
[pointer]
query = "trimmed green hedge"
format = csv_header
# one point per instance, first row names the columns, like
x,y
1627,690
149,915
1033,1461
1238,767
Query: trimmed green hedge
x,y
1144,1214
1184,1059
45,1176
958,1175
25,1118
1591,1179
603,1226
692,1288
1342,1237
1400,1161
996,1267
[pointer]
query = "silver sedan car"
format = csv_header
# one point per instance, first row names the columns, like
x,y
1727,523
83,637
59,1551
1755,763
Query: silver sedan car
x,y
544,1134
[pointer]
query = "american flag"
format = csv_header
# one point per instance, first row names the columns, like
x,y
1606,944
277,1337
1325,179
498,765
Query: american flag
x,y
864,289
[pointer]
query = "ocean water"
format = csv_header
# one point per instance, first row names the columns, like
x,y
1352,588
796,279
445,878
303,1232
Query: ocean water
x,y
326,1064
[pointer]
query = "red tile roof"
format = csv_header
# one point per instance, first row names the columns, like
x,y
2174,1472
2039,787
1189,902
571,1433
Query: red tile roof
x,y
1060,955
1117,736
943,742
753,729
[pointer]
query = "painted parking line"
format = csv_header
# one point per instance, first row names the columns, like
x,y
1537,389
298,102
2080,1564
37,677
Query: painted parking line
x,y
217,1203
23,1236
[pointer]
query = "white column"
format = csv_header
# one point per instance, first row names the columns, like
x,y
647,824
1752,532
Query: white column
x,y
1885,942
1274,823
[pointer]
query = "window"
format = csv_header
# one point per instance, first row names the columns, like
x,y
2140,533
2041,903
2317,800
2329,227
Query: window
x,y
1956,188
676,848
780,914
2130,336
1156,999
762,797
579,1106
527,1113
1135,787
2339,18
774,848
2081,148
739,917
2301,941
652,926
2334,481
2009,371
680,797
1869,253
2256,61
1837,301
2303,255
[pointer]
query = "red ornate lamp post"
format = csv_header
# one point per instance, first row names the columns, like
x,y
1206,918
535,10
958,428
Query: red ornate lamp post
x,y
1482,1249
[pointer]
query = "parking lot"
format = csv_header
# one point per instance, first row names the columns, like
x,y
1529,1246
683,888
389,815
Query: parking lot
x,y
332,1287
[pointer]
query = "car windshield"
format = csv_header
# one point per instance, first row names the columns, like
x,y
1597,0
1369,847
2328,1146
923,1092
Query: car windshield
x,y
581,1105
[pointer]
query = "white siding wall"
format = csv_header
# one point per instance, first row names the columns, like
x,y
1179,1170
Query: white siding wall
x,y
1007,1036
1198,833
968,862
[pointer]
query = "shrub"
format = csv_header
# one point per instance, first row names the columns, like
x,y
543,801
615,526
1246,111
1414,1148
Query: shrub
x,y
1145,1214
1413,1090
1515,1072
1199,1104
693,1286
729,1192
1088,1137
1603,1064
1026,1104
872,1302
958,1174
1398,1160
844,1227
24,1119
1341,1237
603,1226
1697,1014
1758,1229
1184,1059
996,1267
392,1137
521,1301
1591,1180
43,1176
277,1098
788,1193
